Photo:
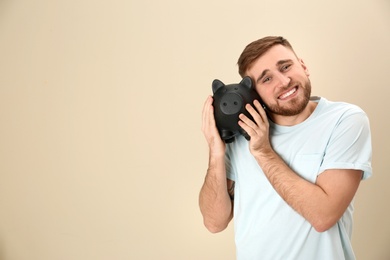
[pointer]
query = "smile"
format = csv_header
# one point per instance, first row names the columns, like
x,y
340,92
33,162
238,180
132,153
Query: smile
x,y
287,94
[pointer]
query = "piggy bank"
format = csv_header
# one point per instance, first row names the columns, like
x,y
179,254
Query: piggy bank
x,y
229,102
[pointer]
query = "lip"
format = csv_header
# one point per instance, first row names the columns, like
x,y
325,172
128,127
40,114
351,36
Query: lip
x,y
290,93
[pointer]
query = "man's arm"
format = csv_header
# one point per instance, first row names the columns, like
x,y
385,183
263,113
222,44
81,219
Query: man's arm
x,y
321,203
215,198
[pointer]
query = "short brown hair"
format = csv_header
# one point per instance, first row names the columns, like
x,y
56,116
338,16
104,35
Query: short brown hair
x,y
256,49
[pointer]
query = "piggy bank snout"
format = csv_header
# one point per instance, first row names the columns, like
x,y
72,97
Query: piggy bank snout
x,y
231,103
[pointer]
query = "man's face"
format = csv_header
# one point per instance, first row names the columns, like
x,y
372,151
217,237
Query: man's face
x,y
282,81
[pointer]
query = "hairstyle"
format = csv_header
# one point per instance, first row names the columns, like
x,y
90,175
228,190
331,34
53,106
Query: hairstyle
x,y
256,49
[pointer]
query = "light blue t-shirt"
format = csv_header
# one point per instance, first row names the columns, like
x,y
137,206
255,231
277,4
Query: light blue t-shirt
x,y
335,136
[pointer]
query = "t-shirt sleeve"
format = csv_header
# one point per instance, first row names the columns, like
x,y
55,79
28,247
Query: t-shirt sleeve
x,y
350,145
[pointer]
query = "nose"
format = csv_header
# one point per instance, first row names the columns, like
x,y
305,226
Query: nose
x,y
283,80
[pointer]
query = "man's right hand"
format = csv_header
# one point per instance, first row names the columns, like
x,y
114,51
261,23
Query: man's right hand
x,y
215,198
216,144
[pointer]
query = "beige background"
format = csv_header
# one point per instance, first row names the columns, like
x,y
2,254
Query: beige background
x,y
101,153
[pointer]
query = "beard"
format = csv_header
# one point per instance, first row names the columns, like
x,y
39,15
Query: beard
x,y
295,106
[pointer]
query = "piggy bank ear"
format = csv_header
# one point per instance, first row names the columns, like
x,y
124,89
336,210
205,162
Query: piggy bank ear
x,y
247,82
217,84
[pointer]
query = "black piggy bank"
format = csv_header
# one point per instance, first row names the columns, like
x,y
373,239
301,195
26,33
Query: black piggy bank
x,y
229,102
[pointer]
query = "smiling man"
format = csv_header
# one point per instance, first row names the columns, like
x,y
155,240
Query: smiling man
x,y
290,188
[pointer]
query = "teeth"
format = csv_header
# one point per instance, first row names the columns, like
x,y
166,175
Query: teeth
x,y
288,93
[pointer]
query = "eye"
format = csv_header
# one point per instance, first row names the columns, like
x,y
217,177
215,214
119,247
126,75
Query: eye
x,y
285,67
266,79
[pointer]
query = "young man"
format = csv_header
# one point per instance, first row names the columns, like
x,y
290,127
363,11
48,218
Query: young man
x,y
290,188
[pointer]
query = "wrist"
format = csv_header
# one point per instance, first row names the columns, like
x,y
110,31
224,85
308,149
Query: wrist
x,y
216,156
265,153
217,150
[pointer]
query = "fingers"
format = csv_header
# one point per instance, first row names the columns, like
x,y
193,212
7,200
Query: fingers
x,y
258,114
255,114
261,111
259,118
248,121
210,131
208,113
209,127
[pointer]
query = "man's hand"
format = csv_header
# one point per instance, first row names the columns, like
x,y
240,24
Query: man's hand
x,y
258,129
215,200
210,131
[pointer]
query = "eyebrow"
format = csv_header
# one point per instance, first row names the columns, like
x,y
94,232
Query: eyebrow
x,y
267,70
262,75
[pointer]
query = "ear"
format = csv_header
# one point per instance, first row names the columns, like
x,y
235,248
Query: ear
x,y
304,67
217,84
247,82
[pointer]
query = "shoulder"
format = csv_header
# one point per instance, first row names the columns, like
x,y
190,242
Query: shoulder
x,y
340,110
339,107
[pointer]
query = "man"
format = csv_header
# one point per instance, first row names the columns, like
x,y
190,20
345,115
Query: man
x,y
290,188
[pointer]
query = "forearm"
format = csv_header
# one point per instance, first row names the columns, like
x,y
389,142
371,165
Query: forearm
x,y
214,200
308,199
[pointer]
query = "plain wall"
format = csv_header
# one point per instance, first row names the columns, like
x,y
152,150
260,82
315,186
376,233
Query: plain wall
x,y
101,153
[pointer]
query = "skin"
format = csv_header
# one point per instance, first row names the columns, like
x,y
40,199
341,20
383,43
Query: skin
x,y
282,80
